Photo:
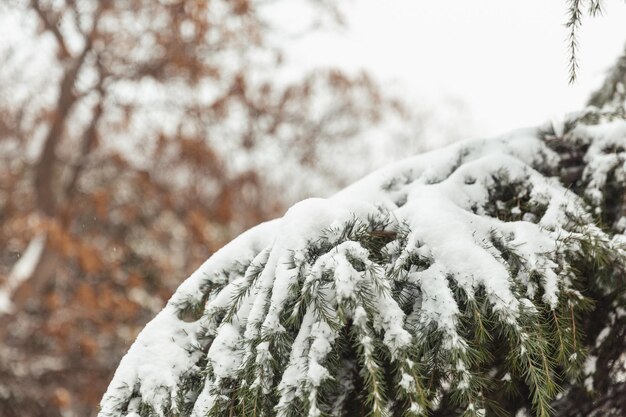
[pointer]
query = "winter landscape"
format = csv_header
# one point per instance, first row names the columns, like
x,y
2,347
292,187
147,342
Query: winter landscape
x,y
382,209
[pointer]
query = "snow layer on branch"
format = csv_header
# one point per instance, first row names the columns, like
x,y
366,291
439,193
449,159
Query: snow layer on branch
x,y
606,155
389,263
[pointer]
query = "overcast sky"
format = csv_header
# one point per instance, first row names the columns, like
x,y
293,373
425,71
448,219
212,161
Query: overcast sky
x,y
506,60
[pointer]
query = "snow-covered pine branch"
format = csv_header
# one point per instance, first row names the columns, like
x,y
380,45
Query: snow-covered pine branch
x,y
428,285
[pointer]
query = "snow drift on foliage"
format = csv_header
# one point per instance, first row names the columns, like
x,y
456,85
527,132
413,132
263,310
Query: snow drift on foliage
x,y
388,285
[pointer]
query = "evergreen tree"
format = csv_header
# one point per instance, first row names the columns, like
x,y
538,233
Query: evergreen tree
x,y
485,278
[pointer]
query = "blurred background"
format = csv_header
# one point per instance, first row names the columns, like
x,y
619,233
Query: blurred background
x,y
139,136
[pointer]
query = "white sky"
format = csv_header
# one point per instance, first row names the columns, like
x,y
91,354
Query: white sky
x,y
507,60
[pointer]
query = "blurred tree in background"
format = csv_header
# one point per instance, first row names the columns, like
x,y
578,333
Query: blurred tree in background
x,y
136,137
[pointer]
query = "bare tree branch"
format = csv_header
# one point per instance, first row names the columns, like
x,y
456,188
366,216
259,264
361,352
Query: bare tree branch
x,y
52,26
88,142
65,102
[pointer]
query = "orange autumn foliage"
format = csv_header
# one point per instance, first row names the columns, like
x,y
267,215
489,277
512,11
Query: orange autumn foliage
x,y
148,119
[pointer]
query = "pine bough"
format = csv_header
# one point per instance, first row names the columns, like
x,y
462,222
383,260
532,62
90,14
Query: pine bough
x,y
434,286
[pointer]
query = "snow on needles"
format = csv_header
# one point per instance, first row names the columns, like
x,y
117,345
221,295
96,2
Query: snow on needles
x,y
380,265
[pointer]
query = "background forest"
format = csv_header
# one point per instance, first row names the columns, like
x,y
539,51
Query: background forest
x,y
136,138
156,133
